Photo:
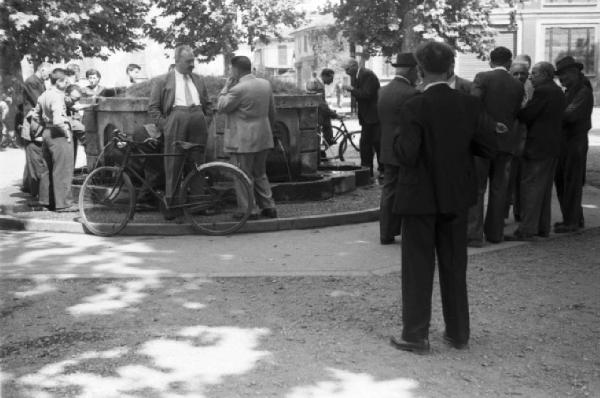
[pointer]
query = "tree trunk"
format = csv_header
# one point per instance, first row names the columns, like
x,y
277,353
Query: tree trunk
x,y
11,80
227,62
410,38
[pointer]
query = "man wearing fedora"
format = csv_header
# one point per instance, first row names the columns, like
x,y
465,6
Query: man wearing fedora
x,y
577,121
390,100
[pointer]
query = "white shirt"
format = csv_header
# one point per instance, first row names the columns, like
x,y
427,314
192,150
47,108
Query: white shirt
x,y
180,81
434,84
403,78
500,67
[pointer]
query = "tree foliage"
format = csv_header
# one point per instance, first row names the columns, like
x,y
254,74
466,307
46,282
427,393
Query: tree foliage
x,y
391,26
61,30
214,27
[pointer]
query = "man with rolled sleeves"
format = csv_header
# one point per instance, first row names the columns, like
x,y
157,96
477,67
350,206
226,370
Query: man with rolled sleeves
x,y
57,148
390,100
179,106
577,121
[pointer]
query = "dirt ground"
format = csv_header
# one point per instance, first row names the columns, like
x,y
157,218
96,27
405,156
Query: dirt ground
x,y
535,314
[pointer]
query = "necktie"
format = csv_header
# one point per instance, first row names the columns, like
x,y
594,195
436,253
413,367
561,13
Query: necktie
x,y
188,91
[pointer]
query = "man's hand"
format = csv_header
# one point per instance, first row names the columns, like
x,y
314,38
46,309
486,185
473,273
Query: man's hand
x,y
347,87
501,128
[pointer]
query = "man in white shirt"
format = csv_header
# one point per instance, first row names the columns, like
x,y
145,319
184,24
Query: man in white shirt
x,y
179,105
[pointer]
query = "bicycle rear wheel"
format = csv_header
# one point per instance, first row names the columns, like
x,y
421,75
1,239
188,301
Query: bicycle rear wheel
x,y
354,139
106,201
216,198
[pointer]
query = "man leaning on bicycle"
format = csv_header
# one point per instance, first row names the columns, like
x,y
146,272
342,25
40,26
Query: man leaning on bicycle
x,y
317,86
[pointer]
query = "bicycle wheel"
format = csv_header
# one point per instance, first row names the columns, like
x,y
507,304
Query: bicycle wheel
x,y
106,201
216,198
354,139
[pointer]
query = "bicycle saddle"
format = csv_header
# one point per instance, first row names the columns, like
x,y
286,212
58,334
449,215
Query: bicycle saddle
x,y
188,145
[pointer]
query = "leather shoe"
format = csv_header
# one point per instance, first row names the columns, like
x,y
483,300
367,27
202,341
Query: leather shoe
x,y
418,347
454,343
239,216
519,237
476,243
563,229
269,213
387,241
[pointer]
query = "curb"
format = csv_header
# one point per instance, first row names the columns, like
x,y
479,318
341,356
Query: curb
x,y
12,223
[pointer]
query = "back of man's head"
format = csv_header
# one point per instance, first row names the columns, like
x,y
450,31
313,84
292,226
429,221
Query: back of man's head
x,y
501,56
545,71
241,63
57,74
327,72
434,57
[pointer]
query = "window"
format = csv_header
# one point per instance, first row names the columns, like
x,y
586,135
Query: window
x,y
282,54
578,42
569,2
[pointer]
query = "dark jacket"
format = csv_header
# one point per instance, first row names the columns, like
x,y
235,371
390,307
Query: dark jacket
x,y
365,91
437,173
463,85
502,96
389,104
162,97
33,87
543,116
577,119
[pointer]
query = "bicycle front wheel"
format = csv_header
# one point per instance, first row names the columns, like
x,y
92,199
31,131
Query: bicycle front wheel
x,y
106,201
216,198
354,139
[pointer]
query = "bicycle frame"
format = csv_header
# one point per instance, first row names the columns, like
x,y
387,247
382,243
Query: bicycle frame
x,y
124,167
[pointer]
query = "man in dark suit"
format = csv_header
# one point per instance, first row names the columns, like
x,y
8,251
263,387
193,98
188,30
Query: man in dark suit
x,y
364,90
577,121
501,95
389,104
436,186
543,117
179,105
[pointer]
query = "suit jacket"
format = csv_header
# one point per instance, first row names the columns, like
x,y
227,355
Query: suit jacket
x,y
437,172
463,85
502,96
250,110
543,117
365,92
162,97
389,104
33,87
577,119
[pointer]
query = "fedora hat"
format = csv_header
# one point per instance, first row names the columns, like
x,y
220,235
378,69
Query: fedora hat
x,y
566,63
405,59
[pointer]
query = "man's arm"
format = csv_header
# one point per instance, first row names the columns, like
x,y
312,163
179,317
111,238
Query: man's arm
x,y
485,140
30,93
477,88
272,112
59,114
534,107
154,106
408,137
580,107
368,89
205,100
229,99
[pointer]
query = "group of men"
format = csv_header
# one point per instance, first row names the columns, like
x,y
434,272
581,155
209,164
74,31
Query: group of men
x,y
180,110
443,139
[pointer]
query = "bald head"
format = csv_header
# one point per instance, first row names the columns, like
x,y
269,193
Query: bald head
x,y
542,72
350,65
184,59
520,71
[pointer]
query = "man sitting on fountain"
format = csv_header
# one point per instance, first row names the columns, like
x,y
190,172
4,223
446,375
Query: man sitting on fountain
x,y
325,112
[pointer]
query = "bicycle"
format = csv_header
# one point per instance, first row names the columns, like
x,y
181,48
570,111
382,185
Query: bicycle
x,y
340,132
215,197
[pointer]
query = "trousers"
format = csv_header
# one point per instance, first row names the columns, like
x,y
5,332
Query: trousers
x,y
497,170
254,164
389,222
569,179
370,138
55,181
536,195
182,125
36,167
424,237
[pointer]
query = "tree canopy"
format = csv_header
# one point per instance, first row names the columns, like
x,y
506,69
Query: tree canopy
x,y
391,26
216,27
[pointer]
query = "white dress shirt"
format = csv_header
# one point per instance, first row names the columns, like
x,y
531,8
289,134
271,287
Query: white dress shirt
x,y
180,81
